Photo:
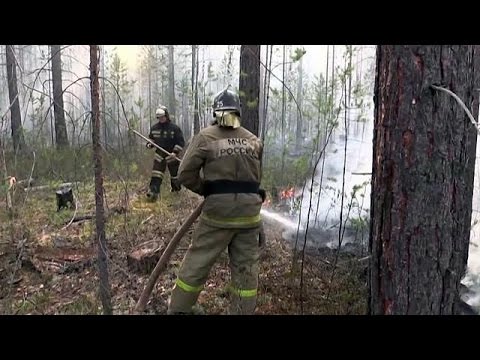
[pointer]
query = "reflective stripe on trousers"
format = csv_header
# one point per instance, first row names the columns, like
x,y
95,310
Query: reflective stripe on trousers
x,y
157,173
242,292
186,287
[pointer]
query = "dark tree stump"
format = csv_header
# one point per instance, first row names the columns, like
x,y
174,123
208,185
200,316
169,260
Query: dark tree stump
x,y
64,198
144,258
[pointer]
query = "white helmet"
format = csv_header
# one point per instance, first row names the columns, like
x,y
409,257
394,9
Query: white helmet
x,y
160,112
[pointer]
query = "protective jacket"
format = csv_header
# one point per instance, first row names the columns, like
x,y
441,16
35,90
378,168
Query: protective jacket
x,y
224,165
168,136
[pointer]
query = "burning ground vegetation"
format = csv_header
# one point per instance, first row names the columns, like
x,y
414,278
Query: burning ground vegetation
x,y
48,258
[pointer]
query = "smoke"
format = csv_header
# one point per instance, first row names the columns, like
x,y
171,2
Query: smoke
x,y
357,180
472,278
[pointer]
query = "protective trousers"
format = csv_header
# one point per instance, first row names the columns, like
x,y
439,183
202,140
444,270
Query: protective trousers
x,y
208,244
158,173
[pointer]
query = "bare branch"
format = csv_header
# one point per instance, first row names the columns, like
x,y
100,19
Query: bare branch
x,y
75,213
41,69
13,102
462,104
63,91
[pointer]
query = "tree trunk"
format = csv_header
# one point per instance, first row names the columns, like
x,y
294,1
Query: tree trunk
x,y
332,109
185,128
422,182
261,97
61,138
350,73
326,112
195,62
150,117
266,93
3,87
99,209
171,82
117,110
298,133
50,85
159,81
249,86
16,119
283,117
104,99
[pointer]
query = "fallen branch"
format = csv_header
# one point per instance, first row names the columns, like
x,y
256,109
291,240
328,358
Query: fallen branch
x,y
115,210
155,240
44,187
146,220
79,218
30,182
349,261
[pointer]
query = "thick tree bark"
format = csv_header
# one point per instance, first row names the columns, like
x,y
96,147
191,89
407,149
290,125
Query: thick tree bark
x,y
249,86
61,138
99,208
16,119
422,182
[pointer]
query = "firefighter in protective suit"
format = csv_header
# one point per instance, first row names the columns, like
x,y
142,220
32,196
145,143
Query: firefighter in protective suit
x,y
230,158
168,136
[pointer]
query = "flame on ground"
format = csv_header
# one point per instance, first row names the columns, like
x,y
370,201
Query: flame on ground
x,y
287,193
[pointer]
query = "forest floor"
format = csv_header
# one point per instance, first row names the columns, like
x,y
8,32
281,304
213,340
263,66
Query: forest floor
x,y
48,263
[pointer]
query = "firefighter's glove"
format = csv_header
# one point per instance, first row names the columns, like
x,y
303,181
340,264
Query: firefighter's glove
x,y
263,194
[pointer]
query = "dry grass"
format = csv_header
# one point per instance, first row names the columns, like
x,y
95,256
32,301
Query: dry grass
x,y
37,226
